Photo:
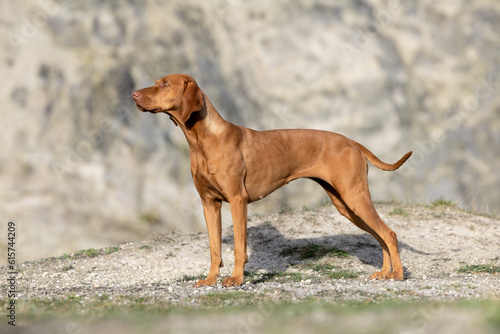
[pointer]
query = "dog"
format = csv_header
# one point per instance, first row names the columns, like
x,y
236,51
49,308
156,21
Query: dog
x,y
238,165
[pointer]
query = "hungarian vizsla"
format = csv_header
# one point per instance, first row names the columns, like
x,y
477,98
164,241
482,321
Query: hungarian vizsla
x,y
238,165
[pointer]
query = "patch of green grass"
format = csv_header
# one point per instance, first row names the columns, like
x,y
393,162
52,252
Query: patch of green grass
x,y
95,307
64,257
388,202
282,277
329,270
479,268
313,251
322,268
227,299
398,211
285,209
343,273
143,247
267,311
441,201
91,252
110,250
191,278
494,318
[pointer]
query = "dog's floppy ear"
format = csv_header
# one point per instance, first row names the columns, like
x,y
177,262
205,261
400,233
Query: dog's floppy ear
x,y
192,100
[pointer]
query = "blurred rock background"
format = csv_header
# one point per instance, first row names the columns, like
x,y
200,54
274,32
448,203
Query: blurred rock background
x,y
81,167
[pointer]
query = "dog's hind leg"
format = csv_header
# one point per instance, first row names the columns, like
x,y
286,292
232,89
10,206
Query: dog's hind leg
x,y
345,210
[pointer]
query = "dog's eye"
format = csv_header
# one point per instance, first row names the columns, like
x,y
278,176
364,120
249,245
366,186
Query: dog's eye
x,y
165,83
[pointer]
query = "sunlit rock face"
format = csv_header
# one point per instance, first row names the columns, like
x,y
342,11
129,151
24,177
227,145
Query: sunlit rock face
x,y
81,167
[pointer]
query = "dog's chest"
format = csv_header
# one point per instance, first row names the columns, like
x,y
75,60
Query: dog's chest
x,y
206,177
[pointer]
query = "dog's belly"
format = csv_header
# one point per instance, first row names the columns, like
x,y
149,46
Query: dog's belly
x,y
257,191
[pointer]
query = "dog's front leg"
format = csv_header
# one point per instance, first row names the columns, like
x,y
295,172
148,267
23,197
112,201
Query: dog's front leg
x,y
239,215
212,212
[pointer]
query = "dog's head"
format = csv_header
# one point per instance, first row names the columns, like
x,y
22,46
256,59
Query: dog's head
x,y
177,95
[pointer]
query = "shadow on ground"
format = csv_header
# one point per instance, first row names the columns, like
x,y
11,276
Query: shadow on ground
x,y
267,243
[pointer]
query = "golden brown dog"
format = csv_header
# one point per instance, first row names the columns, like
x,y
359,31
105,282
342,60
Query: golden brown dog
x,y
238,165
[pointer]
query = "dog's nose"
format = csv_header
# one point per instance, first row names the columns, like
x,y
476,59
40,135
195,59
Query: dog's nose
x,y
136,95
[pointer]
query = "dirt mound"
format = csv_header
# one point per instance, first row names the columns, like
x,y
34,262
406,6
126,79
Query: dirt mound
x,y
447,254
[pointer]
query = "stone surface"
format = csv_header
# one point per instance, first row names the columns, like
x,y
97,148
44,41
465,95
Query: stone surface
x,y
81,167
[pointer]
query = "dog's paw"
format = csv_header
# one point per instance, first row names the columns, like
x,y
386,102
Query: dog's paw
x,y
386,275
206,282
379,275
232,281
397,276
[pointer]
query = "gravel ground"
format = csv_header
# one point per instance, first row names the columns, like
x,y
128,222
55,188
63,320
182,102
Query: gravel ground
x,y
434,243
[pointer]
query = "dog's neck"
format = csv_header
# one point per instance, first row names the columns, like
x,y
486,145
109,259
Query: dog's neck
x,y
205,124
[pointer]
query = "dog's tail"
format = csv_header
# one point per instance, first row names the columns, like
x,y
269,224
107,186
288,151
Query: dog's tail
x,y
380,164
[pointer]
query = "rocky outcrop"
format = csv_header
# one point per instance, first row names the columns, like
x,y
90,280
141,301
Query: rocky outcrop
x,y
82,167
